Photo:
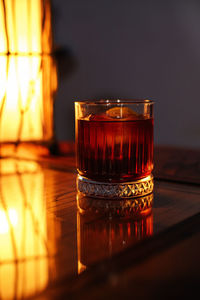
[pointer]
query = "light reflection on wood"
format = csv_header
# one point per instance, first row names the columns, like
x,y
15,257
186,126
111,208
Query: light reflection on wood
x,y
27,250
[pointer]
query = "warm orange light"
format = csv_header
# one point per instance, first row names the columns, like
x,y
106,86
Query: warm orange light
x,y
26,98
28,73
25,251
25,26
7,221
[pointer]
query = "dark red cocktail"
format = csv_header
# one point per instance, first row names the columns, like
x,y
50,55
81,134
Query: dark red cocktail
x,y
115,150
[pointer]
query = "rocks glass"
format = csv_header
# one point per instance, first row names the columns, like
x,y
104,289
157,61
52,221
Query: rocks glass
x,y
114,148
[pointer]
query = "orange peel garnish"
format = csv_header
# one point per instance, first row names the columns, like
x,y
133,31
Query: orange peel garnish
x,y
121,112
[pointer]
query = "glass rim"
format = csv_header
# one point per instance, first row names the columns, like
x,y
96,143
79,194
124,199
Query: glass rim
x,y
115,101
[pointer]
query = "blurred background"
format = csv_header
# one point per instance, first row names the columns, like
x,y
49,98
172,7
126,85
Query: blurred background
x,y
131,49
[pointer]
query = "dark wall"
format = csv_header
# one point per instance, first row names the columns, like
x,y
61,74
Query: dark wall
x,y
132,49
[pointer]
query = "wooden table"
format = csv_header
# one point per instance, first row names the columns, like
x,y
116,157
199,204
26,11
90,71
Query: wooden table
x,y
51,251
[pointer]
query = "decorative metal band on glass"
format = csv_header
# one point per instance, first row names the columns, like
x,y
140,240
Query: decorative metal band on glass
x,y
139,188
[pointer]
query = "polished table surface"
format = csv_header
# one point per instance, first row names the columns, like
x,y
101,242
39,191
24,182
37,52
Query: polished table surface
x,y
49,250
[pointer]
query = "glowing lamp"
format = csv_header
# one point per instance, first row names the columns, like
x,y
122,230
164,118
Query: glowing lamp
x,y
28,72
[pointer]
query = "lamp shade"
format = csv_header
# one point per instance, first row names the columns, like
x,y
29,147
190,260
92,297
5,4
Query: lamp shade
x,y
28,71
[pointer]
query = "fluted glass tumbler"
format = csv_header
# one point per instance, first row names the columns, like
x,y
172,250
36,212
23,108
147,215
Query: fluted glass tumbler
x,y
114,148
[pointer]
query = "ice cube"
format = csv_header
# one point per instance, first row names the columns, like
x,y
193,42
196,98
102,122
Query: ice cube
x,y
88,117
93,117
100,117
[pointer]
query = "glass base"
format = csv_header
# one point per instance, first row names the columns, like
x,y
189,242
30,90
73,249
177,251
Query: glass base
x,y
122,190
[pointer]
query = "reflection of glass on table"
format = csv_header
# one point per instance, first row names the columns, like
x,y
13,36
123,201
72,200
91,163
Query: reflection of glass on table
x,y
100,236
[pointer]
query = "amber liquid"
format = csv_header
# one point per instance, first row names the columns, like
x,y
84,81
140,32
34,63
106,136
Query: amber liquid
x,y
119,150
